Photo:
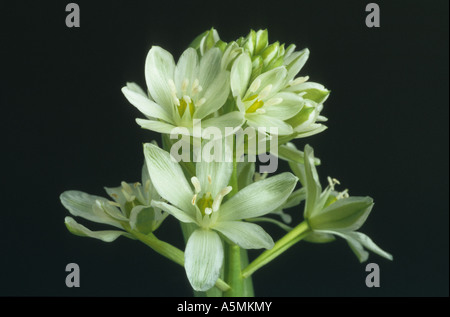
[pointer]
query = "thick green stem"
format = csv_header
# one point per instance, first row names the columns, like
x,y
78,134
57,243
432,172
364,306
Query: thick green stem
x,y
288,240
233,272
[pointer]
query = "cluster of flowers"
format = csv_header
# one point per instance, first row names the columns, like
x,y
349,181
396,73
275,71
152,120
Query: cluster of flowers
x,y
247,83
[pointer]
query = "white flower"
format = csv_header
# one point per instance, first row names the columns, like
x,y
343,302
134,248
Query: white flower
x,y
131,208
178,94
330,213
264,102
202,206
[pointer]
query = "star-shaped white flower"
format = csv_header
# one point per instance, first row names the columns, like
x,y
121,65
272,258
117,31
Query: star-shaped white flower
x,y
201,204
193,89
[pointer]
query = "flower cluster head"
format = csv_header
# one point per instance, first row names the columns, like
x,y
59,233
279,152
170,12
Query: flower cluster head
x,y
244,83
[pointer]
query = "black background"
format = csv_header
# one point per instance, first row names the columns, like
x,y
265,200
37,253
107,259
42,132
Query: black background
x,y
66,125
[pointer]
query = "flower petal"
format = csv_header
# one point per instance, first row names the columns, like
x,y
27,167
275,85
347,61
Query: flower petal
x,y
289,107
312,183
231,120
259,198
344,214
186,69
215,95
219,172
274,77
259,120
174,211
244,234
167,177
295,62
157,126
240,75
210,67
203,259
104,235
354,244
82,205
144,104
159,69
369,244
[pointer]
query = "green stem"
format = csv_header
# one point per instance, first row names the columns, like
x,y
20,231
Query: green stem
x,y
233,273
170,252
288,240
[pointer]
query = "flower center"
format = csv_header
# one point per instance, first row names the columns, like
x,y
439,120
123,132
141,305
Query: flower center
x,y
183,104
207,204
255,105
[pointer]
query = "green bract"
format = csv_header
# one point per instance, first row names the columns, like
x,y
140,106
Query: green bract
x,y
201,204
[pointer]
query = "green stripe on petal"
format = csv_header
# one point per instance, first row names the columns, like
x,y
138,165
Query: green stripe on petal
x,y
104,235
259,198
203,259
246,235
167,177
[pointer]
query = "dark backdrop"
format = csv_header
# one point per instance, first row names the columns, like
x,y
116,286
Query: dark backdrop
x,y
66,125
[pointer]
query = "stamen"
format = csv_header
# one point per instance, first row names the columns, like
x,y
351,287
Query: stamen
x,y
187,99
147,185
196,88
172,86
209,179
136,184
218,200
343,194
115,196
200,102
127,188
113,203
265,92
184,85
255,85
196,183
299,80
274,101
260,111
194,199
332,182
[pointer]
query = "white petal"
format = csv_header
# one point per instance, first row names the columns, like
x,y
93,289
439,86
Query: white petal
x,y
159,69
203,259
187,68
240,75
215,95
104,235
274,77
257,120
157,126
231,120
167,177
183,216
295,62
244,234
259,198
369,244
290,105
313,187
145,105
210,67
81,204
354,244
